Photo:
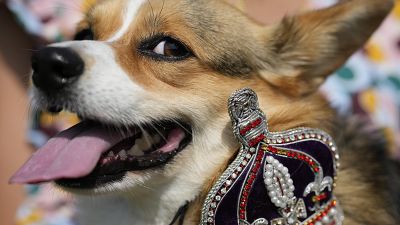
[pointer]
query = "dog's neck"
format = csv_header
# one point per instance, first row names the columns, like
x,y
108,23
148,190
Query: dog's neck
x,y
120,210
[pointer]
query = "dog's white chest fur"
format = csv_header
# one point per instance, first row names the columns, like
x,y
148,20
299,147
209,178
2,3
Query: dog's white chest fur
x,y
118,211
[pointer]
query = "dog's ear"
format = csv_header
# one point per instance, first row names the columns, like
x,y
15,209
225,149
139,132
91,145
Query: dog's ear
x,y
304,49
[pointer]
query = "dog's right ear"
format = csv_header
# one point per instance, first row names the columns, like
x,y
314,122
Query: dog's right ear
x,y
303,50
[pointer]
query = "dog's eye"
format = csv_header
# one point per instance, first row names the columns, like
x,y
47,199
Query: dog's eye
x,y
170,48
85,34
165,48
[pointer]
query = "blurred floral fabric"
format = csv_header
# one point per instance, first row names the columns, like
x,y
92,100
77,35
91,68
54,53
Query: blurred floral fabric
x,y
368,85
52,20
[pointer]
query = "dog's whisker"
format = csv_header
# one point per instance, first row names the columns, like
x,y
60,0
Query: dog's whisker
x,y
145,186
145,134
151,7
183,127
161,10
159,132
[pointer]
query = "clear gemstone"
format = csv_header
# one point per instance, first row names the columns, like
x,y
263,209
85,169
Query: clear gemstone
x,y
325,220
291,220
300,136
332,212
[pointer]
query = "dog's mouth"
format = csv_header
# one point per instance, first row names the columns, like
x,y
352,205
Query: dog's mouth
x,y
91,154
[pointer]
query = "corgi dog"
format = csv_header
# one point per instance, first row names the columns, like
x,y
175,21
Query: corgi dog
x,y
150,81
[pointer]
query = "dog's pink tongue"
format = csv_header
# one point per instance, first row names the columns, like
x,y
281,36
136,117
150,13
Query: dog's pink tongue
x,y
73,153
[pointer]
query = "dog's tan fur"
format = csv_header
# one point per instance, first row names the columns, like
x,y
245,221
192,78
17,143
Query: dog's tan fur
x,y
369,181
284,63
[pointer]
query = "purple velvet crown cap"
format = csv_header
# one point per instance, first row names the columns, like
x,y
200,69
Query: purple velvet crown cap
x,y
277,178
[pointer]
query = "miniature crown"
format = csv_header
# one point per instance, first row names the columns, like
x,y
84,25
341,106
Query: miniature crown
x,y
277,178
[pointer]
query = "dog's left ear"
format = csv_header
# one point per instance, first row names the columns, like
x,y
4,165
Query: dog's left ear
x,y
303,50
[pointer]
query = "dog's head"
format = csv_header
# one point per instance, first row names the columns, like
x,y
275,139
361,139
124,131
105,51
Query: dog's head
x,y
151,79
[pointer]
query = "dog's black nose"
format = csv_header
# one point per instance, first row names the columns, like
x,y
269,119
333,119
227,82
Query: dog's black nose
x,y
55,68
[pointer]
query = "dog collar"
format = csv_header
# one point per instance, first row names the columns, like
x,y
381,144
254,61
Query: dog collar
x,y
278,178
